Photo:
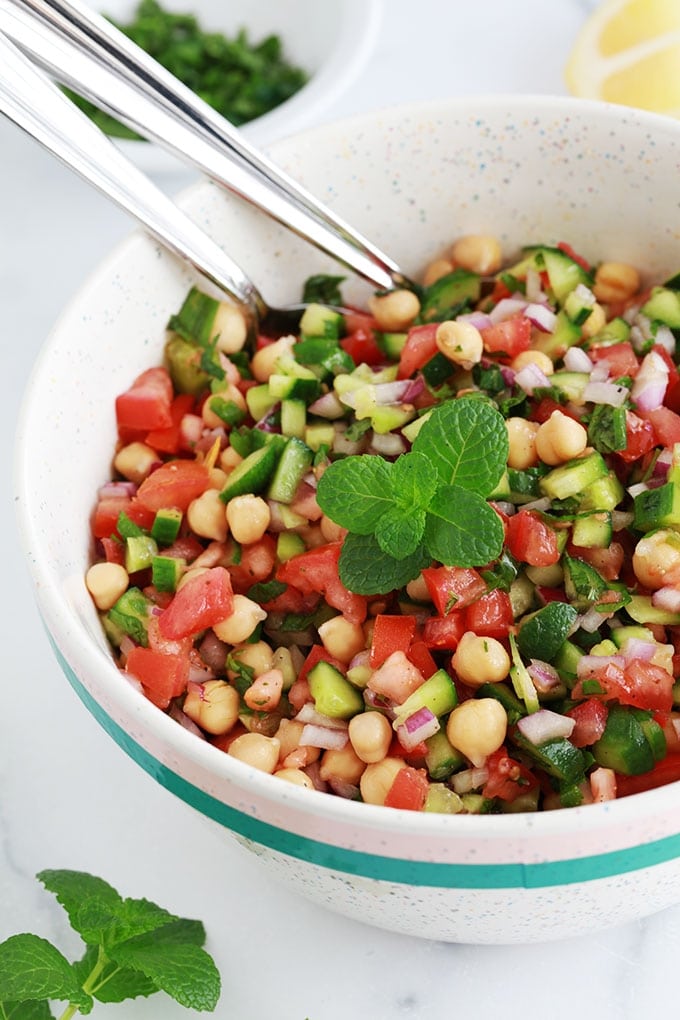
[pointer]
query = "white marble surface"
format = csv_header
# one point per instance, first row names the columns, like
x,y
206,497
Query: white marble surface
x,y
70,798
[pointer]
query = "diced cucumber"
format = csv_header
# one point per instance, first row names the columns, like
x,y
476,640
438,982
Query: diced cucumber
x,y
183,360
294,462
542,634
294,387
333,695
624,746
411,430
449,292
514,708
564,335
253,473
579,304
663,305
621,635
389,417
656,508
260,401
391,344
318,434
593,530
442,800
139,552
320,321
570,384
131,615
566,662
438,693
603,494
166,572
166,525
564,274
293,418
289,544
640,609
559,758
442,759
616,331
574,477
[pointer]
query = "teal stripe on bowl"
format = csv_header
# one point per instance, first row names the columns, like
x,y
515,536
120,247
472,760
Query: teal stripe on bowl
x,y
388,869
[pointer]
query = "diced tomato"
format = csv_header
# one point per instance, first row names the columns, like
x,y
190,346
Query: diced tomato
x,y
491,615
174,484
253,562
607,562
673,374
500,291
162,676
531,540
168,440
545,407
621,358
444,631
419,655
640,438
453,587
202,602
356,318
666,771
508,779
414,756
547,595
186,547
390,634
318,653
146,404
639,684
317,571
509,337
591,719
291,601
568,250
396,678
362,347
114,550
409,790
108,509
420,347
666,425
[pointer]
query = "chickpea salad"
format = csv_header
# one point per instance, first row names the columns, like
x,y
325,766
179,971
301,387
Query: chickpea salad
x,y
423,555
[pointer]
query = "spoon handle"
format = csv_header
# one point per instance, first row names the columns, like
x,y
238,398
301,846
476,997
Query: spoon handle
x,y
82,49
35,104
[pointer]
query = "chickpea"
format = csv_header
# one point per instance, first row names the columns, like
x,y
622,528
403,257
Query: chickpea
x,y
344,764
295,776
656,560
206,516
480,253
189,575
477,728
370,734
134,461
542,361
377,779
616,281
106,582
257,655
480,660
460,342
214,706
521,443
283,660
230,327
229,459
288,736
595,321
218,478
248,517
435,270
233,395
395,310
243,620
257,750
264,694
264,361
417,589
342,638
560,438
331,531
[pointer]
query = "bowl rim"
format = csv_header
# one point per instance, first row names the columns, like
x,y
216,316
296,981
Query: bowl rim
x,y
58,617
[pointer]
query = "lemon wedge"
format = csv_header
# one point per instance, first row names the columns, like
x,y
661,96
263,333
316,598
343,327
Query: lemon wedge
x,y
628,52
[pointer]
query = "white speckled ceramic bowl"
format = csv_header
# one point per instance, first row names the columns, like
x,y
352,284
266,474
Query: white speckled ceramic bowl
x,y
331,42
528,170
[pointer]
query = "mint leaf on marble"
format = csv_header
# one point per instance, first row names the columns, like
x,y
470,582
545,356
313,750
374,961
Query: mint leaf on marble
x,y
133,948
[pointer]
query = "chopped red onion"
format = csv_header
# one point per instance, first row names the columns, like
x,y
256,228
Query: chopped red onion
x,y
585,295
414,389
507,307
323,737
542,504
589,665
664,337
213,651
381,703
183,719
384,393
266,424
667,598
605,393
622,519
649,387
113,489
531,377
541,316
576,360
545,677
600,372
328,406
191,429
641,332
341,788
480,320
308,714
508,374
199,675
508,509
635,490
360,659
592,620
469,779
635,648
417,727
388,444
533,288
544,725
313,770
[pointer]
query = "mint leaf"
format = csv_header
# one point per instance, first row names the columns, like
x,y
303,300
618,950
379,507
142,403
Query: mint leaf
x,y
365,569
26,1010
413,480
466,441
355,492
32,968
186,972
461,529
399,531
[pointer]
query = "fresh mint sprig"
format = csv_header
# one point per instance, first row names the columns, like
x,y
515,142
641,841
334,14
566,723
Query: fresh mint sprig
x,y
133,948
429,504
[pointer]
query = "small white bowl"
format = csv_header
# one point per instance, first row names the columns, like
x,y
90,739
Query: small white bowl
x,y
529,170
331,42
